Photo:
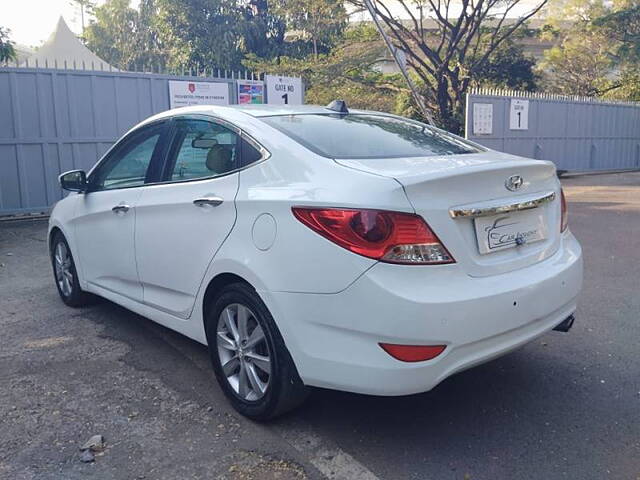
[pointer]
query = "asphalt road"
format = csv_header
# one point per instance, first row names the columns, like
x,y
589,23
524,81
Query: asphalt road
x,y
564,406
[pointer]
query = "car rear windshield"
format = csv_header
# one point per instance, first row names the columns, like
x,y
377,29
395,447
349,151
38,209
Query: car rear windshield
x,y
367,136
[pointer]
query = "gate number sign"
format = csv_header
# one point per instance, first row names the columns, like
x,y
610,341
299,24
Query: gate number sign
x,y
519,115
284,90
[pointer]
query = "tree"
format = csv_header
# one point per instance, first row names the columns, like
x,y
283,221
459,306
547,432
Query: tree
x,y
200,33
262,32
628,85
622,25
126,37
148,44
7,52
579,62
447,44
598,51
579,65
207,34
320,21
349,71
113,34
508,67
86,7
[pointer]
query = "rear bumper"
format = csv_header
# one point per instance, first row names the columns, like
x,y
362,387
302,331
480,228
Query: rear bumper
x,y
333,338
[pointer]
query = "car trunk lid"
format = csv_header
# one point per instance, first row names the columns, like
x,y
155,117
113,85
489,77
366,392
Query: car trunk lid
x,y
456,194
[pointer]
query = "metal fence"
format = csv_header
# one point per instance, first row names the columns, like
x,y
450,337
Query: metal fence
x,y
576,133
54,120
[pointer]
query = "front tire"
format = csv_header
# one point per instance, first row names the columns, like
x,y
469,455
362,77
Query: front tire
x,y
66,275
249,357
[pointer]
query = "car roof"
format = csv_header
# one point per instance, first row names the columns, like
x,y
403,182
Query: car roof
x,y
252,110
267,110
240,113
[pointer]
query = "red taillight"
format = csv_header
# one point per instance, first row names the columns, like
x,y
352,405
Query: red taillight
x,y
564,214
392,237
413,353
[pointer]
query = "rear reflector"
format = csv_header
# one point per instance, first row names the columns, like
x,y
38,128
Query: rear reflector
x,y
413,353
392,237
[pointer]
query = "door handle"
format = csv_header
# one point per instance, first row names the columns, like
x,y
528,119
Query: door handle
x,y
120,208
213,201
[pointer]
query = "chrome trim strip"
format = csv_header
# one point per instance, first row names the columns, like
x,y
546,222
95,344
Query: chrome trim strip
x,y
482,211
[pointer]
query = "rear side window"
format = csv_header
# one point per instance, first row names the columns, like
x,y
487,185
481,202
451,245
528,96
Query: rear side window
x,y
250,151
202,149
367,136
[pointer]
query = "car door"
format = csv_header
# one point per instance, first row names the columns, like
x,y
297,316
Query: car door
x,y
105,214
182,222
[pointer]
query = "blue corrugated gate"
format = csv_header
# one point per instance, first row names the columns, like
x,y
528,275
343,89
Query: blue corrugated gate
x,y
577,134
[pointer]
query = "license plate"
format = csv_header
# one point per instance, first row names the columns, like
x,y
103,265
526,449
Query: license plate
x,y
510,230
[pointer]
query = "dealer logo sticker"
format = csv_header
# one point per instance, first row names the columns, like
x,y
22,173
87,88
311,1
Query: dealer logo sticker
x,y
499,234
514,182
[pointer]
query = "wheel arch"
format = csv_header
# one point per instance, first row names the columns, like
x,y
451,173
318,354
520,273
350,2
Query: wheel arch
x,y
65,230
52,233
215,285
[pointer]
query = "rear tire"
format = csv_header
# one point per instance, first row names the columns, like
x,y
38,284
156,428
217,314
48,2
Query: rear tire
x,y
258,377
66,275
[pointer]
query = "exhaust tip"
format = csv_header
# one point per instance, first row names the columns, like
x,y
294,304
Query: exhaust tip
x,y
565,325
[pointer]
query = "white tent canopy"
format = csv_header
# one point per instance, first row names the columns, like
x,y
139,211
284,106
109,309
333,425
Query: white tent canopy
x,y
64,50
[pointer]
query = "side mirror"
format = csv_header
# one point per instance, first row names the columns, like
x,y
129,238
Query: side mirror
x,y
74,181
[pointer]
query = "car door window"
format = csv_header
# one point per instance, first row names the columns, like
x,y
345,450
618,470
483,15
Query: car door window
x,y
202,149
129,163
251,153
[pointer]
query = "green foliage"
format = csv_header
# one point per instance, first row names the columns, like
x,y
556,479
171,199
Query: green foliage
x,y
622,25
505,67
628,86
450,46
262,31
7,52
351,71
347,72
579,65
319,21
598,52
508,67
114,34
149,52
312,39
199,33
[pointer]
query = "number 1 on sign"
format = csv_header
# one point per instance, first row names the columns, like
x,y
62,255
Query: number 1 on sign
x,y
519,114
285,97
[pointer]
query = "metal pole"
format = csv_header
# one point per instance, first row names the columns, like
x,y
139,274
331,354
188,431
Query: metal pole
x,y
394,53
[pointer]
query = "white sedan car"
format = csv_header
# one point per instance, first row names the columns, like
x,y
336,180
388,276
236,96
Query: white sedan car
x,y
316,246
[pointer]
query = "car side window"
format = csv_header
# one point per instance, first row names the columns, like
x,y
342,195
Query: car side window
x,y
128,165
202,149
250,151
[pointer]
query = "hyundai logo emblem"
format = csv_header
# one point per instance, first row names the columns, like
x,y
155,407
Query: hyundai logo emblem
x,y
514,182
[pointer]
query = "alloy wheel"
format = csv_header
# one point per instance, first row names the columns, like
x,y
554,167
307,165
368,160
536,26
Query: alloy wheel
x,y
64,272
243,352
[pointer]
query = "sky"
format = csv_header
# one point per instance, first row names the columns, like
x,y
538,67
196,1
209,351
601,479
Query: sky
x,y
32,21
